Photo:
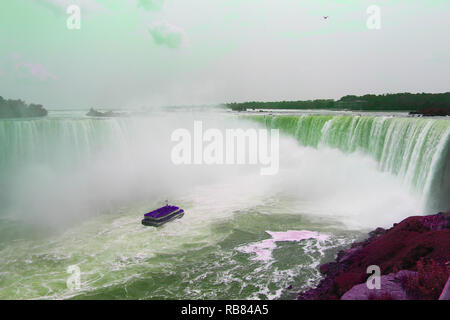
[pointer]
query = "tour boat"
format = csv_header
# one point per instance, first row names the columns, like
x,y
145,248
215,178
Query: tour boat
x,y
162,215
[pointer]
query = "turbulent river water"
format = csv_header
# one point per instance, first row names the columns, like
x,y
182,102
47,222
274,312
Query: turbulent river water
x,y
73,190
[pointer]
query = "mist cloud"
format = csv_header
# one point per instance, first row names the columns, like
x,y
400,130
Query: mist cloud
x,y
87,6
165,34
32,70
151,5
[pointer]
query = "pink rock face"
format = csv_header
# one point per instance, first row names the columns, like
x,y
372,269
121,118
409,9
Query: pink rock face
x,y
399,248
263,249
390,287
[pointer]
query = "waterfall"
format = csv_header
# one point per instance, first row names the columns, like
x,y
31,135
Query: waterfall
x,y
417,150
56,156
62,162
65,142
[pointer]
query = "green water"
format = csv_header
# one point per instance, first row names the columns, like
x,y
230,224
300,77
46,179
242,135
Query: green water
x,y
74,189
120,259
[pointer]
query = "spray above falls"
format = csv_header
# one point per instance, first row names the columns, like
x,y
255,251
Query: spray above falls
x,y
416,150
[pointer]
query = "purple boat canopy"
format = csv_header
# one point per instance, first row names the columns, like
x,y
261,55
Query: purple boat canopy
x,y
161,211
162,215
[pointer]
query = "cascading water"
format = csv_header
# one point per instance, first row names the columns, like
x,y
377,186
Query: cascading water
x,y
243,236
416,150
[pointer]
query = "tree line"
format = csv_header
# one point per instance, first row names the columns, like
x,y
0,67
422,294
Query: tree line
x,y
10,108
369,102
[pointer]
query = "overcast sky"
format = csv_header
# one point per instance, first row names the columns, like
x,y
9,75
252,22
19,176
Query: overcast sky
x,y
132,53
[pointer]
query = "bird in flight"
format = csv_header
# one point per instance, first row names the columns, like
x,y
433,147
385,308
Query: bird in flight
x,y
326,17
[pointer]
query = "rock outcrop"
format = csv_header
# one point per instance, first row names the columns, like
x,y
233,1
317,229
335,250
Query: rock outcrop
x,y
418,244
94,113
431,112
391,288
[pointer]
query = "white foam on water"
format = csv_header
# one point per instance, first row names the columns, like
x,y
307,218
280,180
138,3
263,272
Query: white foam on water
x,y
263,249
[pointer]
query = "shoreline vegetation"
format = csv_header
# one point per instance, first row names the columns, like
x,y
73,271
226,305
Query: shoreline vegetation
x,y
10,108
426,104
420,104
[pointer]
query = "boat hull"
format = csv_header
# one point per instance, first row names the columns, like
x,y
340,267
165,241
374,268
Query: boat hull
x,y
157,222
